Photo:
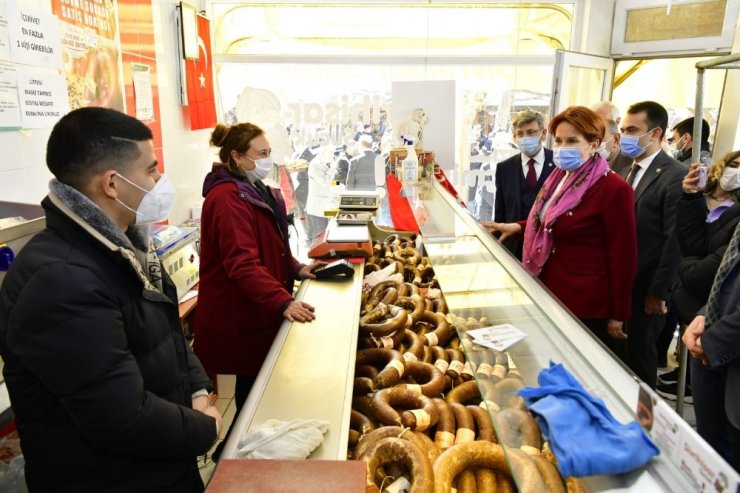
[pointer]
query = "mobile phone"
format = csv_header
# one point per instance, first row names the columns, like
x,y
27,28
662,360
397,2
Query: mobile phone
x,y
703,174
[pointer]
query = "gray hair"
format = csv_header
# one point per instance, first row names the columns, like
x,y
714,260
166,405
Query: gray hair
x,y
527,116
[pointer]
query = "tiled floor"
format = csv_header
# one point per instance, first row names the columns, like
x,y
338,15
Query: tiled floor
x,y
225,405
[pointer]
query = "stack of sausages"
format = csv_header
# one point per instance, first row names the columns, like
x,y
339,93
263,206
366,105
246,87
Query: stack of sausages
x,y
423,400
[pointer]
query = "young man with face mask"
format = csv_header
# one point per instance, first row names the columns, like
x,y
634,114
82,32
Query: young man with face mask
x,y
682,141
519,178
656,179
106,392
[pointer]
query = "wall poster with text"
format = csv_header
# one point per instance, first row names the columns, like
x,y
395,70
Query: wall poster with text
x,y
90,52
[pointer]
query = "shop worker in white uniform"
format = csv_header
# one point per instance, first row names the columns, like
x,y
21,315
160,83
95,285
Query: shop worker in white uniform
x,y
107,394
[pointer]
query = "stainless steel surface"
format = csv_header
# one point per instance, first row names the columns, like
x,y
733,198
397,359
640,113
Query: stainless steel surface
x,y
309,371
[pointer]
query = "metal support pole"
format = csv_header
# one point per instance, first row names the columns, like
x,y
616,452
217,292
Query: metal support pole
x,y
698,111
682,361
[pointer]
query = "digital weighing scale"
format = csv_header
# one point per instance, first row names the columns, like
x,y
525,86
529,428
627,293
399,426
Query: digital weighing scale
x,y
358,201
348,235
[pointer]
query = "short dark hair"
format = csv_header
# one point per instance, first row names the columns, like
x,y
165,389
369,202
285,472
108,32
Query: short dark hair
x,y
657,116
88,140
687,127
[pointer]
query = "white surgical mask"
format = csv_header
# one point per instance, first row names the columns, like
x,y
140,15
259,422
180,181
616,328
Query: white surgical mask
x,y
262,169
730,179
156,204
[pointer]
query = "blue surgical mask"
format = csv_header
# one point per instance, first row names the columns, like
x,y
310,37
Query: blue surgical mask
x,y
529,145
630,146
567,158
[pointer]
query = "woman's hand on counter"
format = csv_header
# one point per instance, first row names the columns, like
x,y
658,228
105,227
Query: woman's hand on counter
x,y
306,271
299,311
616,329
506,229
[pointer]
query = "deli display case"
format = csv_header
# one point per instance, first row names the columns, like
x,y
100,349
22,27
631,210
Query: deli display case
x,y
309,371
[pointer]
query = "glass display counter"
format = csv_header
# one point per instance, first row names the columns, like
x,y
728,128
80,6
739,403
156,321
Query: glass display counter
x,y
309,370
480,279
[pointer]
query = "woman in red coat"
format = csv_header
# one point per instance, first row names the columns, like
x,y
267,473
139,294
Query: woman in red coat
x,y
580,236
246,266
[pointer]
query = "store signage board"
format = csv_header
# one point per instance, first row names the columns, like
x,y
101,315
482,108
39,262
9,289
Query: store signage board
x,y
43,97
35,38
698,462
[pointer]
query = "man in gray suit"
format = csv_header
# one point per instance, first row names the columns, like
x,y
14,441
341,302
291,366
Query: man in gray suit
x,y
656,178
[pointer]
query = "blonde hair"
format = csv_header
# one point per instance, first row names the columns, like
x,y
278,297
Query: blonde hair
x,y
233,138
715,173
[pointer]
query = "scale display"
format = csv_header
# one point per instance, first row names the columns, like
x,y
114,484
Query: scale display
x,y
366,202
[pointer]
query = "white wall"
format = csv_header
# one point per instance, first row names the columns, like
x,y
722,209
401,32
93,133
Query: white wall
x,y
187,155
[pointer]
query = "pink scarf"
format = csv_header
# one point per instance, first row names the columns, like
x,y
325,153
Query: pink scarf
x,y
538,242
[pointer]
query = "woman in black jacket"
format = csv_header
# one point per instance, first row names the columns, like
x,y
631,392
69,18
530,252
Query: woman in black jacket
x,y
704,226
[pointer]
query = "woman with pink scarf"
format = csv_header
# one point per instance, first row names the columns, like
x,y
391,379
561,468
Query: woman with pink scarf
x,y
580,236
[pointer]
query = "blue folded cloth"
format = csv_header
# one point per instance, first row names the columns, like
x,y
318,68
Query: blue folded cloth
x,y
583,435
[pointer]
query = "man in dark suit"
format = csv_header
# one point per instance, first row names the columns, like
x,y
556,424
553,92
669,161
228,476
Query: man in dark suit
x,y
519,178
656,178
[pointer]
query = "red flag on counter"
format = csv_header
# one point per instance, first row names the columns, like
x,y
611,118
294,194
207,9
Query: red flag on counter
x,y
199,76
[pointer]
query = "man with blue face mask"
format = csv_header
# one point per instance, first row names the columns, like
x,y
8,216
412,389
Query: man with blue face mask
x,y
519,178
656,179
107,394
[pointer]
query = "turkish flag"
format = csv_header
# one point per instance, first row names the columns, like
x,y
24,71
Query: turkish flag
x,y
199,77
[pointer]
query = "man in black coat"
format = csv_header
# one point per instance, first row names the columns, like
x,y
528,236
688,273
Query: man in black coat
x,y
656,179
519,178
107,394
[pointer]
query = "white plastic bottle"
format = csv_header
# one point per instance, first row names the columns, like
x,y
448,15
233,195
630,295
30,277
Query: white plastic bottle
x,y
410,163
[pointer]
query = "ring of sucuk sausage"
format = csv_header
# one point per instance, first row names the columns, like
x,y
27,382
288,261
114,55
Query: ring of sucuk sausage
x,y
397,450
428,379
428,355
518,429
485,479
391,359
505,394
380,292
419,411
414,346
389,431
360,422
483,424
439,305
414,307
466,482
550,475
370,267
442,332
389,342
378,322
464,423
426,275
490,455
444,436
363,386
408,255
465,392
413,289
457,362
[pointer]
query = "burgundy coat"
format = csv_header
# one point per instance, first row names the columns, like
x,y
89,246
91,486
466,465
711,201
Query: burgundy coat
x,y
246,275
594,262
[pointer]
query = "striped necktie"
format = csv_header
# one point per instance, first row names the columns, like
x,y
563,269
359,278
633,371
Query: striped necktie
x,y
728,261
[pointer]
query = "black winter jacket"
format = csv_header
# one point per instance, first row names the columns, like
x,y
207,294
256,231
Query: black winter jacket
x,y
702,246
99,375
